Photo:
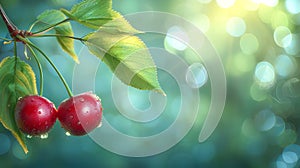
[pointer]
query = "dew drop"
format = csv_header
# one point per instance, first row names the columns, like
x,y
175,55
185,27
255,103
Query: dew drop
x,y
46,122
68,134
19,98
99,125
71,117
78,123
29,136
8,105
44,136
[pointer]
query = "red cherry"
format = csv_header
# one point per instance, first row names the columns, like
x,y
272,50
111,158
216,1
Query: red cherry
x,y
80,114
35,115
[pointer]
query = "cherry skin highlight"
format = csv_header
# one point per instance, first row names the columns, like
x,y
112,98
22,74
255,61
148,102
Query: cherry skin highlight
x,y
35,115
80,114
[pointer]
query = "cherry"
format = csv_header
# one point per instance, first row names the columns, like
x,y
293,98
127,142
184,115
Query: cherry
x,y
80,114
35,115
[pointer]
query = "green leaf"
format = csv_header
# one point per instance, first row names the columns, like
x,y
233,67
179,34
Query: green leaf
x,y
126,55
91,13
52,17
16,80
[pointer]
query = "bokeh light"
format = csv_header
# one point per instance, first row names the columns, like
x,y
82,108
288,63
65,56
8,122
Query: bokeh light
x,y
249,43
282,36
236,26
292,48
279,18
291,87
241,64
290,157
176,39
202,21
225,3
196,75
285,65
257,92
265,74
270,3
205,1
5,144
293,6
265,120
278,128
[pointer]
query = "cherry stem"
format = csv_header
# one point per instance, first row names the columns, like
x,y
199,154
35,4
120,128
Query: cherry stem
x,y
15,48
10,26
59,35
40,69
50,62
31,27
50,27
5,39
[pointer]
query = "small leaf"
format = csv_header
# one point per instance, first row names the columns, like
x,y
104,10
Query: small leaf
x,y
126,55
91,13
16,80
52,17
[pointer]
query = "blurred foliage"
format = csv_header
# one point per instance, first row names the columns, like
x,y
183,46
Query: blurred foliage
x,y
258,41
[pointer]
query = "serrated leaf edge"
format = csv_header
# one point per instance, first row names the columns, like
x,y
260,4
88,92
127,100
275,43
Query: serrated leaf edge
x,y
21,142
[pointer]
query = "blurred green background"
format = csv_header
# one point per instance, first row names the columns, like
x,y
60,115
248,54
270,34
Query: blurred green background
x,y
258,41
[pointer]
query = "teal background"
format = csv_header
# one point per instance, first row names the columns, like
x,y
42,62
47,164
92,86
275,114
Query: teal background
x,y
260,124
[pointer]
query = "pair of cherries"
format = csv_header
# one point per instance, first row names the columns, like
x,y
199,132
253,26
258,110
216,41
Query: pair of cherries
x,y
35,115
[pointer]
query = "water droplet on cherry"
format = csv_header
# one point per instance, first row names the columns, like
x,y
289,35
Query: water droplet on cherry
x,y
99,125
44,136
68,134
